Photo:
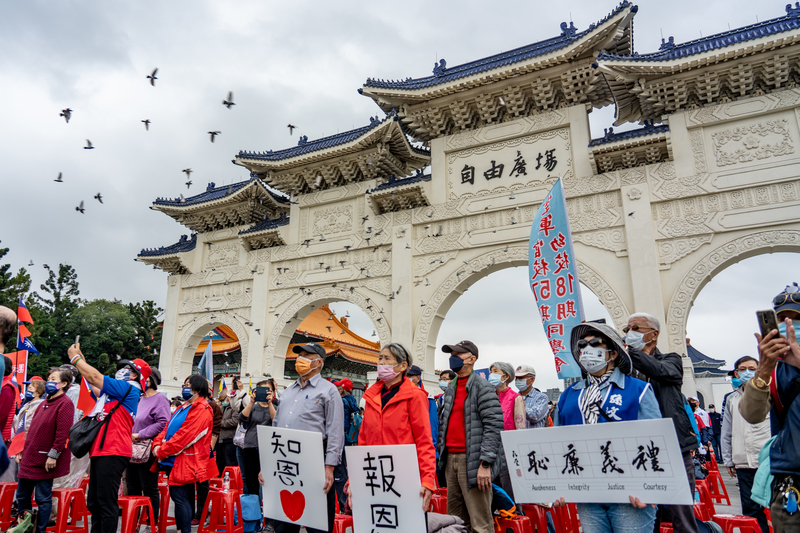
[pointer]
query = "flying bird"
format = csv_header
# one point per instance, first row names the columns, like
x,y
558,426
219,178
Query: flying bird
x,y
58,179
152,77
66,113
188,184
99,197
214,134
188,172
80,207
31,263
228,102
291,128
146,124
88,145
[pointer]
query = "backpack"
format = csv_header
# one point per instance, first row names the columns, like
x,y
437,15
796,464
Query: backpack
x,y
355,426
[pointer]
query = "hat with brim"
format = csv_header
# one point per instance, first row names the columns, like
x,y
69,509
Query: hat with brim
x,y
788,300
311,347
414,370
34,378
461,347
623,361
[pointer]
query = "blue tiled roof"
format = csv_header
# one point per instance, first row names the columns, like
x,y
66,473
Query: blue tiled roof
x,y
444,74
611,137
267,223
215,193
697,357
394,182
185,244
670,51
304,146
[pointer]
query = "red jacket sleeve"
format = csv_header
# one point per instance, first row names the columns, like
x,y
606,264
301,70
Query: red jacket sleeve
x,y
194,428
6,402
421,429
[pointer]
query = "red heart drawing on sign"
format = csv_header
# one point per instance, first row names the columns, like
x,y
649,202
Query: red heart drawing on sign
x,y
293,503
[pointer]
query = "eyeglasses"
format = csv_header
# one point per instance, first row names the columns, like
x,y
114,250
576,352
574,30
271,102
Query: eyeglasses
x,y
635,327
594,343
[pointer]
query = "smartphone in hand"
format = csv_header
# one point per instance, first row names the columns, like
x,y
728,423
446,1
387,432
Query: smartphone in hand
x,y
767,321
261,394
77,339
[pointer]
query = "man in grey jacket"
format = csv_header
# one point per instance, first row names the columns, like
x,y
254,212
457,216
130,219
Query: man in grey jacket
x,y
470,451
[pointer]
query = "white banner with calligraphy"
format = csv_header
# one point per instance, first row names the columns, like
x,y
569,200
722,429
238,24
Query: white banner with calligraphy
x,y
385,485
293,467
602,463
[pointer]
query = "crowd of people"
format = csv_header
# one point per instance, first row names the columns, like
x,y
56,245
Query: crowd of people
x,y
457,433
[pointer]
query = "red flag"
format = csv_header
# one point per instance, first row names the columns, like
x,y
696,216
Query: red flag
x,y
23,331
17,444
22,313
86,400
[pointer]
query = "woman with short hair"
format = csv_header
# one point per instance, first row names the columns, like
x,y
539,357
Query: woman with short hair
x,y
183,446
396,412
34,396
45,455
501,375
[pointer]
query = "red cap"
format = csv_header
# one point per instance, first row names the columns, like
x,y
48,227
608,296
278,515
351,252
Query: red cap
x,y
345,383
34,378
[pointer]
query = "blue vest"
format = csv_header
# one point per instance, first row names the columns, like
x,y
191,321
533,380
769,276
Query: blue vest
x,y
618,403
784,454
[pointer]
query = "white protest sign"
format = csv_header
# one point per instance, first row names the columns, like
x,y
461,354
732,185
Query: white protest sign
x,y
293,468
601,463
385,485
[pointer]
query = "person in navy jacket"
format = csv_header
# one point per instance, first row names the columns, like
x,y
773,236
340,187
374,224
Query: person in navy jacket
x,y
607,394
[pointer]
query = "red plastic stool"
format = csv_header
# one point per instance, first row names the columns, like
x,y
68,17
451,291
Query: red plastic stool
x,y
71,509
84,486
164,520
666,527
7,492
439,504
728,522
516,524
537,515
226,512
714,485
441,491
131,506
705,496
701,512
236,477
769,518
215,483
565,519
341,522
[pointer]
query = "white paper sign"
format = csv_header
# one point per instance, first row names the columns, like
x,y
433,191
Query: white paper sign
x,y
385,485
293,468
601,463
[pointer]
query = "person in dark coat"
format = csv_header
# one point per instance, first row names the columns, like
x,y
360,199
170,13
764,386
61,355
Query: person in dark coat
x,y
664,372
45,455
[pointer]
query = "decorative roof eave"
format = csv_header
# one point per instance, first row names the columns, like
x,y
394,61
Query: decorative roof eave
x,y
612,28
265,234
171,264
387,130
630,139
253,189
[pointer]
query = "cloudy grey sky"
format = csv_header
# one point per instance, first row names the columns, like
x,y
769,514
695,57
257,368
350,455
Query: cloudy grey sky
x,y
298,62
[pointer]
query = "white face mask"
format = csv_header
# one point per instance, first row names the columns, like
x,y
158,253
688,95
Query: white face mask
x,y
593,359
635,340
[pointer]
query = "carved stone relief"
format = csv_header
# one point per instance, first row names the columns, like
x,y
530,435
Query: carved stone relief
x,y
425,265
674,249
531,123
333,220
753,142
220,255
607,239
698,150
768,102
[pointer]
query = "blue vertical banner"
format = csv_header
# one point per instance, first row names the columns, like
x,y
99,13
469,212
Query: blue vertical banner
x,y
553,277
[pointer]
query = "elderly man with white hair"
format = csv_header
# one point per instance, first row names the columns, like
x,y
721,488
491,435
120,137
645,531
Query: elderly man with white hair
x,y
664,372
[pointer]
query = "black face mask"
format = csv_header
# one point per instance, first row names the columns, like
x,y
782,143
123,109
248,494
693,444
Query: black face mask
x,y
456,363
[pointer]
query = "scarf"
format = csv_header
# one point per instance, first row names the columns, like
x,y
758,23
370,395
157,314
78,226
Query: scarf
x,y
589,403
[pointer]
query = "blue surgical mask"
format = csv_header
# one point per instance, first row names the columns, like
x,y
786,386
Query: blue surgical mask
x,y
443,385
495,380
635,340
187,393
521,384
747,375
736,383
456,363
51,388
28,395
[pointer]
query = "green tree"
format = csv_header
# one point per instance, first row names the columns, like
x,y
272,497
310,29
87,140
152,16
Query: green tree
x,y
148,330
108,333
59,299
12,285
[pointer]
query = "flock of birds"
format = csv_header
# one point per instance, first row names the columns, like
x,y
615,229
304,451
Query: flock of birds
x,y
67,114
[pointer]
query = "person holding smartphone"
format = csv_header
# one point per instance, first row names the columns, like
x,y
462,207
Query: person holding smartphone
x,y
258,412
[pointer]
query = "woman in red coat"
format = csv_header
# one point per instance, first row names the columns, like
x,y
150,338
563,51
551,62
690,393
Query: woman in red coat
x,y
396,412
45,455
183,447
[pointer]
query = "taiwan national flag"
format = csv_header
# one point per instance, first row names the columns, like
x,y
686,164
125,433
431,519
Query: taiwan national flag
x,y
207,363
23,334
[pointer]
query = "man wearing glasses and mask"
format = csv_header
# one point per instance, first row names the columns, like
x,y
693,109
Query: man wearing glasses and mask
x,y
664,372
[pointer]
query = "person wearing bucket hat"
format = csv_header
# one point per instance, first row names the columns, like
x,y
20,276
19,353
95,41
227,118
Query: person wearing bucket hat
x,y
664,372
607,394
773,392
113,447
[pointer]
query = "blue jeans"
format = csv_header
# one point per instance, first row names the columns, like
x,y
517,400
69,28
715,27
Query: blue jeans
x,y
44,499
745,477
183,506
616,517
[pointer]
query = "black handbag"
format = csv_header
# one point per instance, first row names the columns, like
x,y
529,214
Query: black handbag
x,y
83,434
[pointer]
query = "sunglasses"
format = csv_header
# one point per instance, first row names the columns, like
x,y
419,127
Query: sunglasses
x,y
782,299
635,327
594,343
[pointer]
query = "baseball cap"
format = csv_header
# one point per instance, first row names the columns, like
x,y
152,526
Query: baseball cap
x,y
414,370
156,375
524,371
311,347
788,300
693,398
140,366
345,383
34,378
461,347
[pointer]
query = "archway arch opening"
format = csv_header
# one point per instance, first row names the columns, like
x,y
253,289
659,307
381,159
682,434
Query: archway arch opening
x,y
499,314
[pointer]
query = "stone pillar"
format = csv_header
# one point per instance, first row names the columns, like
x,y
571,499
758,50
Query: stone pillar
x,y
169,335
402,323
